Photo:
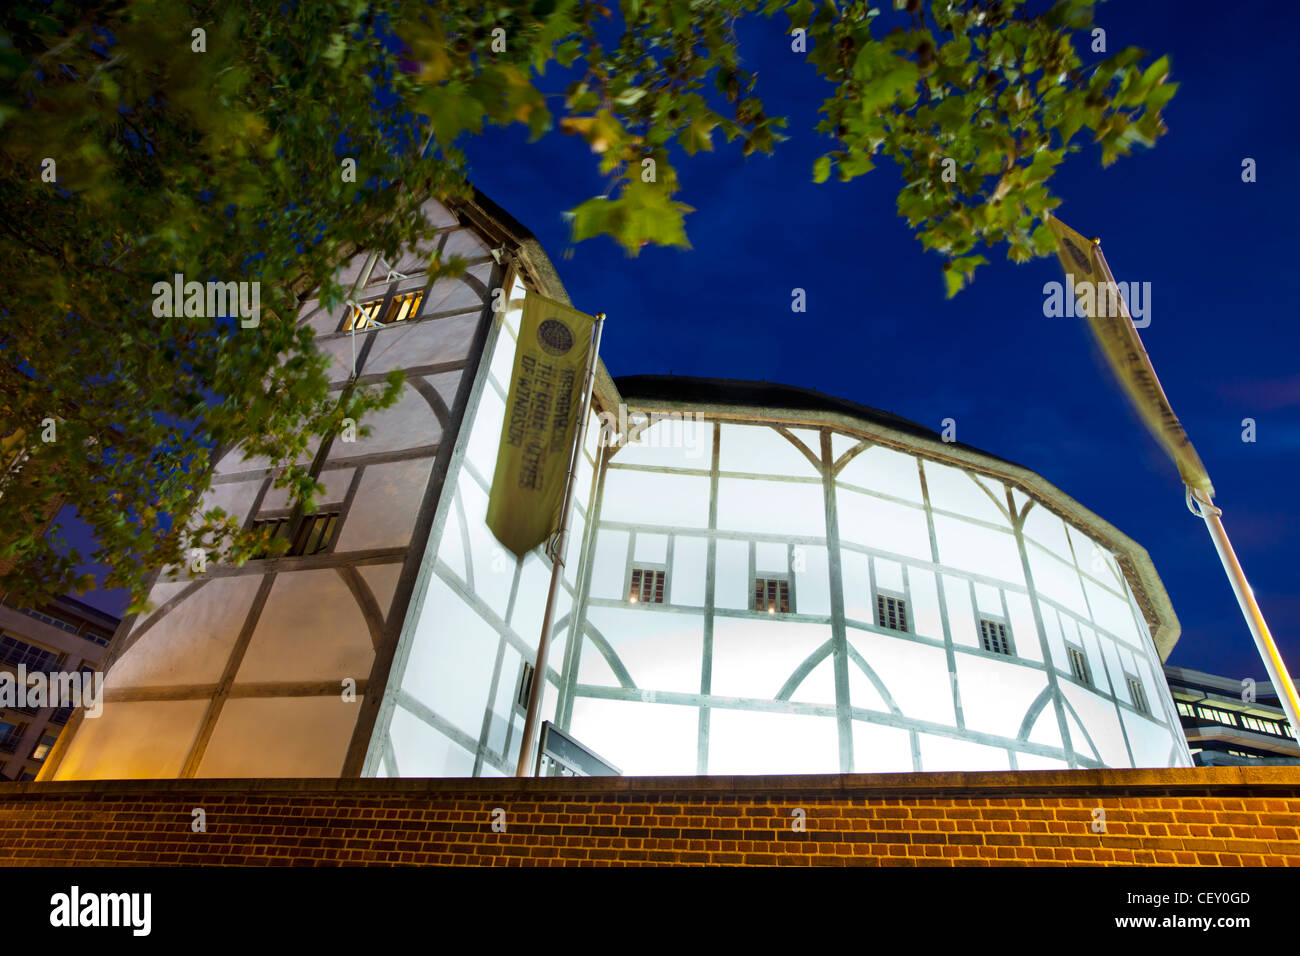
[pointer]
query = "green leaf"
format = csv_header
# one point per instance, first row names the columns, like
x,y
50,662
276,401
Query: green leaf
x,y
1158,98
697,137
821,169
645,213
800,13
953,282
334,52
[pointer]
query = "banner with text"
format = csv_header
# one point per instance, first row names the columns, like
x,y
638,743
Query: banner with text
x,y
1112,327
540,421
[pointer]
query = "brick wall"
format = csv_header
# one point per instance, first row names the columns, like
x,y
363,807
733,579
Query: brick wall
x,y
1201,816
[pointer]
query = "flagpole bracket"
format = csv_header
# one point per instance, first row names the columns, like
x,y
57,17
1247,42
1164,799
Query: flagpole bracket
x,y
1200,506
553,549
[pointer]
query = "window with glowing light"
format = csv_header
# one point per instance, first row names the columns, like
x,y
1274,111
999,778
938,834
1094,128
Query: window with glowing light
x,y
44,747
372,314
315,533
772,595
647,586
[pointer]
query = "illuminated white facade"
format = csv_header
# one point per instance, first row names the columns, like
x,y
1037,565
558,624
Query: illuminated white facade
x,y
927,611
940,616
767,581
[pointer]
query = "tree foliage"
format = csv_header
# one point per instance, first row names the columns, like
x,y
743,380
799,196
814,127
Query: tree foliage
x,y
219,158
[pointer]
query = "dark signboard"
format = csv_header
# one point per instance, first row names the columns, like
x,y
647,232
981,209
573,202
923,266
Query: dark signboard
x,y
562,750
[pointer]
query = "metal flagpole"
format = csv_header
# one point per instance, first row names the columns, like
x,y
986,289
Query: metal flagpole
x,y
557,559
1273,663
1204,508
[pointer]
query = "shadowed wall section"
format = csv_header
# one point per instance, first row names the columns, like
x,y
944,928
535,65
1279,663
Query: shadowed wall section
x,y
242,671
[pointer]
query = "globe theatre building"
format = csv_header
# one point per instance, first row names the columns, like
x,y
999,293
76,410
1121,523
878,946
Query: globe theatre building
x,y
758,579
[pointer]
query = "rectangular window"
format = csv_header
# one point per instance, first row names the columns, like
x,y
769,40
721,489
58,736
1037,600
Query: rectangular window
x,y
1138,695
11,732
43,748
1185,709
279,528
1261,725
14,651
48,619
1079,665
891,612
1217,716
315,533
647,586
772,595
525,686
993,636
367,314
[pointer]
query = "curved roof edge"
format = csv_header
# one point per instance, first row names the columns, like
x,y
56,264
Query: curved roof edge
x,y
743,401
500,226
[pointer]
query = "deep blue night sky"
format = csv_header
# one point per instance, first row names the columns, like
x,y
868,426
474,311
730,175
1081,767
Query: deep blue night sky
x,y
879,331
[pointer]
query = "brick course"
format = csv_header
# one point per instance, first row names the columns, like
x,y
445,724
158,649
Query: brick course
x,y
1231,816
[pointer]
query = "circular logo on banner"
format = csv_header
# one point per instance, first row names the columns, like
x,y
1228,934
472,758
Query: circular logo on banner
x,y
1076,255
554,337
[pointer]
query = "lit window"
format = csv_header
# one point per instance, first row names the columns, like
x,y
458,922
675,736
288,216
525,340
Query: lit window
x,y
43,748
1263,726
367,314
993,636
891,612
1185,709
772,595
1217,716
1138,695
315,533
1079,665
647,586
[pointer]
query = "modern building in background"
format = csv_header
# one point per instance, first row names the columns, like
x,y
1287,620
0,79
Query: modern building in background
x,y
65,635
1231,721
759,579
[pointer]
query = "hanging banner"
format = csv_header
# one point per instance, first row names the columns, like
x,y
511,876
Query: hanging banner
x,y
1091,286
540,422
